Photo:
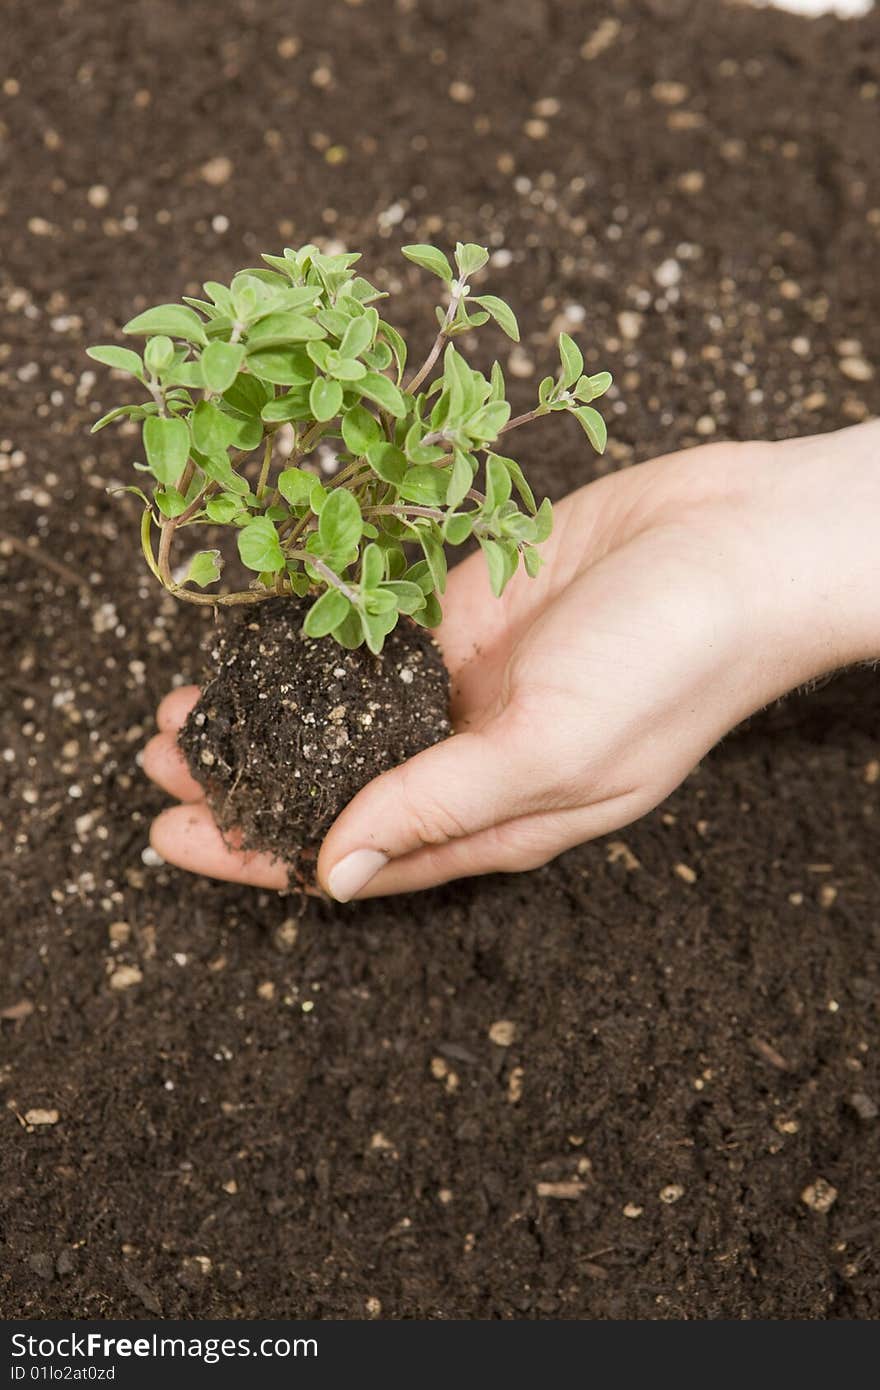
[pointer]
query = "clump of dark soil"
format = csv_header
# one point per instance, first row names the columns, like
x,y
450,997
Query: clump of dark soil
x,y
289,729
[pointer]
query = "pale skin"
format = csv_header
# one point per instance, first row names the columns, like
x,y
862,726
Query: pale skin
x,y
677,598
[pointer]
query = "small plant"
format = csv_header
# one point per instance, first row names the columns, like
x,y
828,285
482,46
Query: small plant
x,y
299,342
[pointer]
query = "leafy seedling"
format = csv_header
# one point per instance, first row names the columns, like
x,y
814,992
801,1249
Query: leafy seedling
x,y
296,351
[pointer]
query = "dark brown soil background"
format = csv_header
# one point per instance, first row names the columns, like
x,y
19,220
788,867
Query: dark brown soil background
x,y
254,1120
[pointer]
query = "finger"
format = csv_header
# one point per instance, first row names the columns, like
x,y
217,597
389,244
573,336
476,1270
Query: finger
x,y
164,763
188,836
465,784
513,847
173,710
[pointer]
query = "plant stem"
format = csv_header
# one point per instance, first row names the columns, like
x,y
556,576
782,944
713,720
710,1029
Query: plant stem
x,y
523,419
393,510
326,572
415,382
264,471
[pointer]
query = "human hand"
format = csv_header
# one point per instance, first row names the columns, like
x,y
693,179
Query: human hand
x,y
677,598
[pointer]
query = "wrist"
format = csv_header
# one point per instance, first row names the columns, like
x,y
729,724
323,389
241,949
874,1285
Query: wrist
x,y
816,564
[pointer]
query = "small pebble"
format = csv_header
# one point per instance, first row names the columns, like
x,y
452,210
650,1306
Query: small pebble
x,y
819,1195
217,171
629,324
41,1117
502,1033
668,273
856,369
863,1105
693,181
560,1191
124,976
671,1193
669,93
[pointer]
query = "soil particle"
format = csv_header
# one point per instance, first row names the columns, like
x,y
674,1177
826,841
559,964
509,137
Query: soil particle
x,y
819,1195
288,730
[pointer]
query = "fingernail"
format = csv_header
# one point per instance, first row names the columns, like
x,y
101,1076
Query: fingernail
x,y
354,872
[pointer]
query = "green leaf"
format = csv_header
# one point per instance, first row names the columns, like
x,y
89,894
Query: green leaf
x,y
431,615
172,319
376,627
212,431
497,566
295,486
457,527
572,360
497,379
358,336
408,597
340,524
589,388
372,567
325,398
498,483
132,412
283,368
320,354
326,613
518,527
278,329
379,356
387,462
396,344
247,395
299,582
461,480
470,258
294,405
204,568
435,556
345,368
517,477
223,508
349,633
170,502
360,430
488,422
544,521
532,560
158,355
218,469
424,485
221,364
593,425
220,296
384,393
166,442
379,601
501,313
122,359
259,547
429,258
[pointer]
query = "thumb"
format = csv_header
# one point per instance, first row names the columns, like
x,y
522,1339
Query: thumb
x,y
466,784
